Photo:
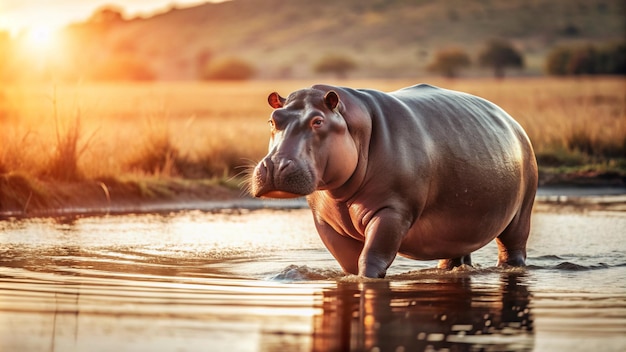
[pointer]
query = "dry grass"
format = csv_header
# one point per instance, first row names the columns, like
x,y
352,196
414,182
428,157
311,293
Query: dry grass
x,y
208,130
575,121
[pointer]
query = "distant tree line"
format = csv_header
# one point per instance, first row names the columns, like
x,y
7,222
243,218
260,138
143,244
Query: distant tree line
x,y
563,60
587,60
497,54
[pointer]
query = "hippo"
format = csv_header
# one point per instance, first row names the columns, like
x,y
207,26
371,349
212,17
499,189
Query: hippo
x,y
424,172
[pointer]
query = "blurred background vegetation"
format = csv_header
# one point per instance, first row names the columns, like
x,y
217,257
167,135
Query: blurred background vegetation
x,y
299,39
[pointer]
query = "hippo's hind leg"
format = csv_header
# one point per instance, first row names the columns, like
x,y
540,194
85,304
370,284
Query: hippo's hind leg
x,y
512,241
449,264
512,248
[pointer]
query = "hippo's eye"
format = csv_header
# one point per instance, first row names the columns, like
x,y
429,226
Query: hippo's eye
x,y
271,123
317,122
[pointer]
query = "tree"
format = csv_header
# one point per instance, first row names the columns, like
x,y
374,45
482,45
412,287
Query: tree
x,y
107,15
500,54
615,58
587,60
337,64
584,61
232,69
557,61
449,61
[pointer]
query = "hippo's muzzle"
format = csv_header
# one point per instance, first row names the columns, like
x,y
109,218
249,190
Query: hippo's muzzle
x,y
277,177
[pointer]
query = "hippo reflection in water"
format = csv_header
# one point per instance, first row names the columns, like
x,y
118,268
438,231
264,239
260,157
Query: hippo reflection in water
x,y
375,315
423,172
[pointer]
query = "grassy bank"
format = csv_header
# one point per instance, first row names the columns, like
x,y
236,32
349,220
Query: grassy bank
x,y
138,137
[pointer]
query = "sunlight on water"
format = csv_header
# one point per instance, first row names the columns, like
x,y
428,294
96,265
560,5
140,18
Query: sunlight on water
x,y
262,281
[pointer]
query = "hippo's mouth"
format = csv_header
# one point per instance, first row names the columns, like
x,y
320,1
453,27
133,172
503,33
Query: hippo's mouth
x,y
279,194
269,190
266,183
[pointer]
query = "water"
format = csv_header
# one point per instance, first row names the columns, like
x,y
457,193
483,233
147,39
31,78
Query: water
x,y
262,281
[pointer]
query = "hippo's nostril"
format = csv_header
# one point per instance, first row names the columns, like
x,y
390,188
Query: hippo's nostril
x,y
268,166
284,164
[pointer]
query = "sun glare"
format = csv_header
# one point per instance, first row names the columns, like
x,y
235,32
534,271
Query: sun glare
x,y
40,38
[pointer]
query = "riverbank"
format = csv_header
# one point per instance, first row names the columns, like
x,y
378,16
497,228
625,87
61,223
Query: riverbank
x,y
21,196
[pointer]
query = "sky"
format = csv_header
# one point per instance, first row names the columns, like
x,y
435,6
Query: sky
x,y
21,15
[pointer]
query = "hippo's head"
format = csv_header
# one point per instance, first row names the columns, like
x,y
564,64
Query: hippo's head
x,y
310,146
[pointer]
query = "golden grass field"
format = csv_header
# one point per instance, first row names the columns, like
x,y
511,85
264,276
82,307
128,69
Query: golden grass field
x,y
205,130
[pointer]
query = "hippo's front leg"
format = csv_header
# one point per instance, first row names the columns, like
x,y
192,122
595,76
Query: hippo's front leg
x,y
345,249
383,236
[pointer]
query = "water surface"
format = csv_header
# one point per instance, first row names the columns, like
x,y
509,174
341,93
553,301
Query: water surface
x,y
237,280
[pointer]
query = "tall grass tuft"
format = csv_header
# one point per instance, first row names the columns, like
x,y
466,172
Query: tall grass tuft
x,y
13,151
157,156
226,158
583,140
63,166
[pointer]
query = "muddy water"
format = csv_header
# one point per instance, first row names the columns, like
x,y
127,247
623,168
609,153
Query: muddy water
x,y
262,281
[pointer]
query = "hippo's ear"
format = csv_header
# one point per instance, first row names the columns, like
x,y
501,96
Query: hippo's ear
x,y
331,99
275,100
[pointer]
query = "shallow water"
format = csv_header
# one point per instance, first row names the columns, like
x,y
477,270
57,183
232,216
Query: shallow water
x,y
262,281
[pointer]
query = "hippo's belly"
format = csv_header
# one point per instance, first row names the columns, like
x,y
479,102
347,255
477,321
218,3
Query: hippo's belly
x,y
463,219
442,238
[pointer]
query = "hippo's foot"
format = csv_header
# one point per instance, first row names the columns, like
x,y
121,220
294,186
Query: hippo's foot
x,y
509,258
449,264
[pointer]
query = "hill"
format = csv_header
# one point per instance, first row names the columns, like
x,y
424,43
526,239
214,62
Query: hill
x,y
387,38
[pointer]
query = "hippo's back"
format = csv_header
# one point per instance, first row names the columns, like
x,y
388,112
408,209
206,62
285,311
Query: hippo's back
x,y
457,113
464,127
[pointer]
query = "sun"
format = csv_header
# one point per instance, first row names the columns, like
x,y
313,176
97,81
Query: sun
x,y
40,38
